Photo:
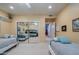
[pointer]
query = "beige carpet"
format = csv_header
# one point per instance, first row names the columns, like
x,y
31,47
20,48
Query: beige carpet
x,y
31,40
29,49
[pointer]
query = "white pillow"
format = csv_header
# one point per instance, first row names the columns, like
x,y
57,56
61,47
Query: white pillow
x,y
6,36
12,36
55,39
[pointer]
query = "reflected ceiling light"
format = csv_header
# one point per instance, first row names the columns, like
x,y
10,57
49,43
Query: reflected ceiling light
x,y
35,23
49,7
11,7
28,5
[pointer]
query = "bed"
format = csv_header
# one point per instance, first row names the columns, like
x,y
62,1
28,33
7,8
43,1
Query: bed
x,y
57,48
62,45
7,43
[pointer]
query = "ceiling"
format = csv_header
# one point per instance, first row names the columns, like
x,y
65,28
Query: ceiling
x,y
36,8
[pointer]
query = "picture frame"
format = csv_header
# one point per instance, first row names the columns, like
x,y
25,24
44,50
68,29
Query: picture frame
x,y
75,25
64,28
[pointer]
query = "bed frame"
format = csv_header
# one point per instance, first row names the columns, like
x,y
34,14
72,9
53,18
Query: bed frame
x,y
51,51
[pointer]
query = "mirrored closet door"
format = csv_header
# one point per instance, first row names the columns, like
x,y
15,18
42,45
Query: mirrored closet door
x,y
27,31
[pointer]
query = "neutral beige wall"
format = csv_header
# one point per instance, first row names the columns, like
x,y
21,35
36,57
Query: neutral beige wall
x,y
10,27
4,25
5,28
40,19
65,18
3,13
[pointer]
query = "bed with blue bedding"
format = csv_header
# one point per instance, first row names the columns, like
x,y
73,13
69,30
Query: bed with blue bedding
x,y
7,43
60,48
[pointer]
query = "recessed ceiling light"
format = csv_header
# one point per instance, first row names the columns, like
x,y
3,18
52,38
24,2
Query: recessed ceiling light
x,y
28,5
49,7
11,7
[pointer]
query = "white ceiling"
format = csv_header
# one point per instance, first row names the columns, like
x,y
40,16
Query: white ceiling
x,y
36,8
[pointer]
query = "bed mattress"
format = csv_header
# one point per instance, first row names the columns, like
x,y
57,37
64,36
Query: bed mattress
x,y
4,42
64,49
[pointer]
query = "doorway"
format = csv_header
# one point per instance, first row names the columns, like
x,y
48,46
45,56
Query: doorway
x,y
50,28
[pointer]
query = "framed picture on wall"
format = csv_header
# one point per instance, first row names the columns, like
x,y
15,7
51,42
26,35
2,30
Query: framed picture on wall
x,y
75,25
64,28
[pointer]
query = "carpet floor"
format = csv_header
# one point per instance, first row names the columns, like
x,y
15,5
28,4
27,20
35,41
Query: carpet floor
x,y
29,49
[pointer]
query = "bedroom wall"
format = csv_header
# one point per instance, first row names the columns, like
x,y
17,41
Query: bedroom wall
x,y
4,25
3,13
65,17
40,19
5,28
10,27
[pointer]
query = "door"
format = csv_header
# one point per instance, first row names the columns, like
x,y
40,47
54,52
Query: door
x,y
51,30
22,33
34,32
28,31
